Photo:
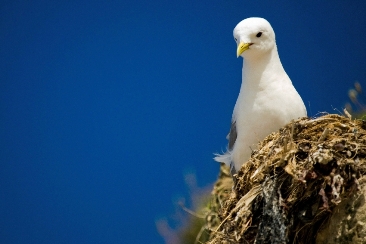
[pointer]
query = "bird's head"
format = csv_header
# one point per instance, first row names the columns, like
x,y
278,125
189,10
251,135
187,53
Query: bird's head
x,y
255,35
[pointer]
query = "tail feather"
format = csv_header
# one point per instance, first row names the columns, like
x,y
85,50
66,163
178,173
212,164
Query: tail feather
x,y
226,159
223,158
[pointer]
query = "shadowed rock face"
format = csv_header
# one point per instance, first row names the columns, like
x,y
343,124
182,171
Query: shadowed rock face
x,y
305,184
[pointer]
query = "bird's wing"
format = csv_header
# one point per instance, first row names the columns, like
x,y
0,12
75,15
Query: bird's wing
x,y
232,138
232,135
226,158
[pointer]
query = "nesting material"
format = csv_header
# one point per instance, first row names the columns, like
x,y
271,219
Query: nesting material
x,y
305,184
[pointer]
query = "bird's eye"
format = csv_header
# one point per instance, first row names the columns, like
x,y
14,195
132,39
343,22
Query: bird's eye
x,y
235,39
259,34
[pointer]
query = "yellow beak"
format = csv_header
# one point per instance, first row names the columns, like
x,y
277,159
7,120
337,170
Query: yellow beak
x,y
241,48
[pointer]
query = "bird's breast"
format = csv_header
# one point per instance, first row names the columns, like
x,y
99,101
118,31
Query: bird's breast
x,y
263,108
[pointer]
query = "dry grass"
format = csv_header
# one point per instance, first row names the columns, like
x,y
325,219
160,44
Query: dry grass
x,y
300,178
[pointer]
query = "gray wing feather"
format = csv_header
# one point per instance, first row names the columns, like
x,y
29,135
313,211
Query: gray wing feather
x,y
232,138
232,135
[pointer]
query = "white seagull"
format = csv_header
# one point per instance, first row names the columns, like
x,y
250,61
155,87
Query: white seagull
x,y
267,99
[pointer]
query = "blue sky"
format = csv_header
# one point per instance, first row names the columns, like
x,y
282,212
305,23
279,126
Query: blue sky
x,y
105,105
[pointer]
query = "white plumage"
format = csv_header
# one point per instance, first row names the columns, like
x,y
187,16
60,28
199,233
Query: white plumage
x,y
267,99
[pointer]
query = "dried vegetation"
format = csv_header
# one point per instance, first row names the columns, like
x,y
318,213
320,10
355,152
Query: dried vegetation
x,y
304,184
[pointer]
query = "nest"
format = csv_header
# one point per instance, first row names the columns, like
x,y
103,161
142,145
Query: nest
x,y
304,184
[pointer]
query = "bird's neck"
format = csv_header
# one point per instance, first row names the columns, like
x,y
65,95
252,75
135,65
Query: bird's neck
x,y
258,72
